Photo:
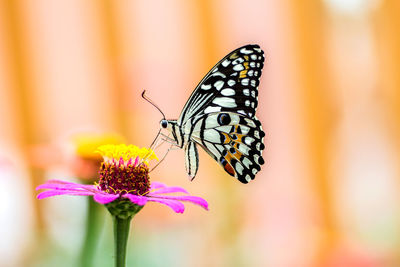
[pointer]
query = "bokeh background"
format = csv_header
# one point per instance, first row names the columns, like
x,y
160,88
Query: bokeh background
x,y
329,101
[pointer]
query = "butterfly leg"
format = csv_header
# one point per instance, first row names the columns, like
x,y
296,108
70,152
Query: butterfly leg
x,y
169,141
155,144
163,138
159,143
165,155
167,138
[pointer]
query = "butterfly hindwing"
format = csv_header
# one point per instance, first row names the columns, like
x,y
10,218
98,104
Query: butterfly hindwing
x,y
235,141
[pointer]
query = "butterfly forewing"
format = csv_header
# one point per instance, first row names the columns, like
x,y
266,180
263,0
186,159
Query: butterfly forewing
x,y
231,85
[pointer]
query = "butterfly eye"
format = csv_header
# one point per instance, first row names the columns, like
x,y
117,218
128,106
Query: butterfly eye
x,y
164,123
224,119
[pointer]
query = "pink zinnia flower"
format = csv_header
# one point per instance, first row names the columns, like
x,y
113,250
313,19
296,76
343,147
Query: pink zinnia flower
x,y
124,177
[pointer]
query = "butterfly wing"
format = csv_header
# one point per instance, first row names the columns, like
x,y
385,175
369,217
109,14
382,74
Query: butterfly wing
x,y
231,85
234,140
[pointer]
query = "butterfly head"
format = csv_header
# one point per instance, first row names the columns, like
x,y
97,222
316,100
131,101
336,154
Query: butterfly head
x,y
169,125
164,124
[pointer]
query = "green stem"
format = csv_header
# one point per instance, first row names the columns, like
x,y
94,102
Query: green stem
x,y
121,233
94,223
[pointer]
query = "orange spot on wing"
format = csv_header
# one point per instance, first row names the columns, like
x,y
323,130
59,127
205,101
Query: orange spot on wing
x,y
228,157
233,56
227,138
237,154
239,138
246,65
243,74
228,168
246,58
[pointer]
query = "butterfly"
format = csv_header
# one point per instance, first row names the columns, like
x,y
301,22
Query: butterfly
x,y
219,116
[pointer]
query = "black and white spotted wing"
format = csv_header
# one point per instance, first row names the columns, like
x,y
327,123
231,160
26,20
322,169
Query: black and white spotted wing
x,y
234,140
231,85
220,116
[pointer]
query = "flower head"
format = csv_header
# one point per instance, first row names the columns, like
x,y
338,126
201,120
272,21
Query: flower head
x,y
124,176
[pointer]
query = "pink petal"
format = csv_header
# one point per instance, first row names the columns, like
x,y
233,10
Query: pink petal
x,y
50,186
104,198
136,161
52,193
54,181
155,185
60,183
175,205
172,189
70,188
66,186
138,200
193,199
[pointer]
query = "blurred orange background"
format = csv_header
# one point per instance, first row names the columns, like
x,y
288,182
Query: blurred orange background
x,y
329,101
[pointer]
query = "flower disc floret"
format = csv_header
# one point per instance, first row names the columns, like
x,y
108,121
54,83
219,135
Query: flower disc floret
x,y
121,179
124,169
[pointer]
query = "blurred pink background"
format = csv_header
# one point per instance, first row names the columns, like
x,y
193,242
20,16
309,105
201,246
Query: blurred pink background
x,y
329,102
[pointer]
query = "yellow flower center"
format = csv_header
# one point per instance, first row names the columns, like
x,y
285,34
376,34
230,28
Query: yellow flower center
x,y
113,153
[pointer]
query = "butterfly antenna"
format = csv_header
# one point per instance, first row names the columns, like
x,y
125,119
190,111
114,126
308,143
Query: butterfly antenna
x,y
152,103
153,144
